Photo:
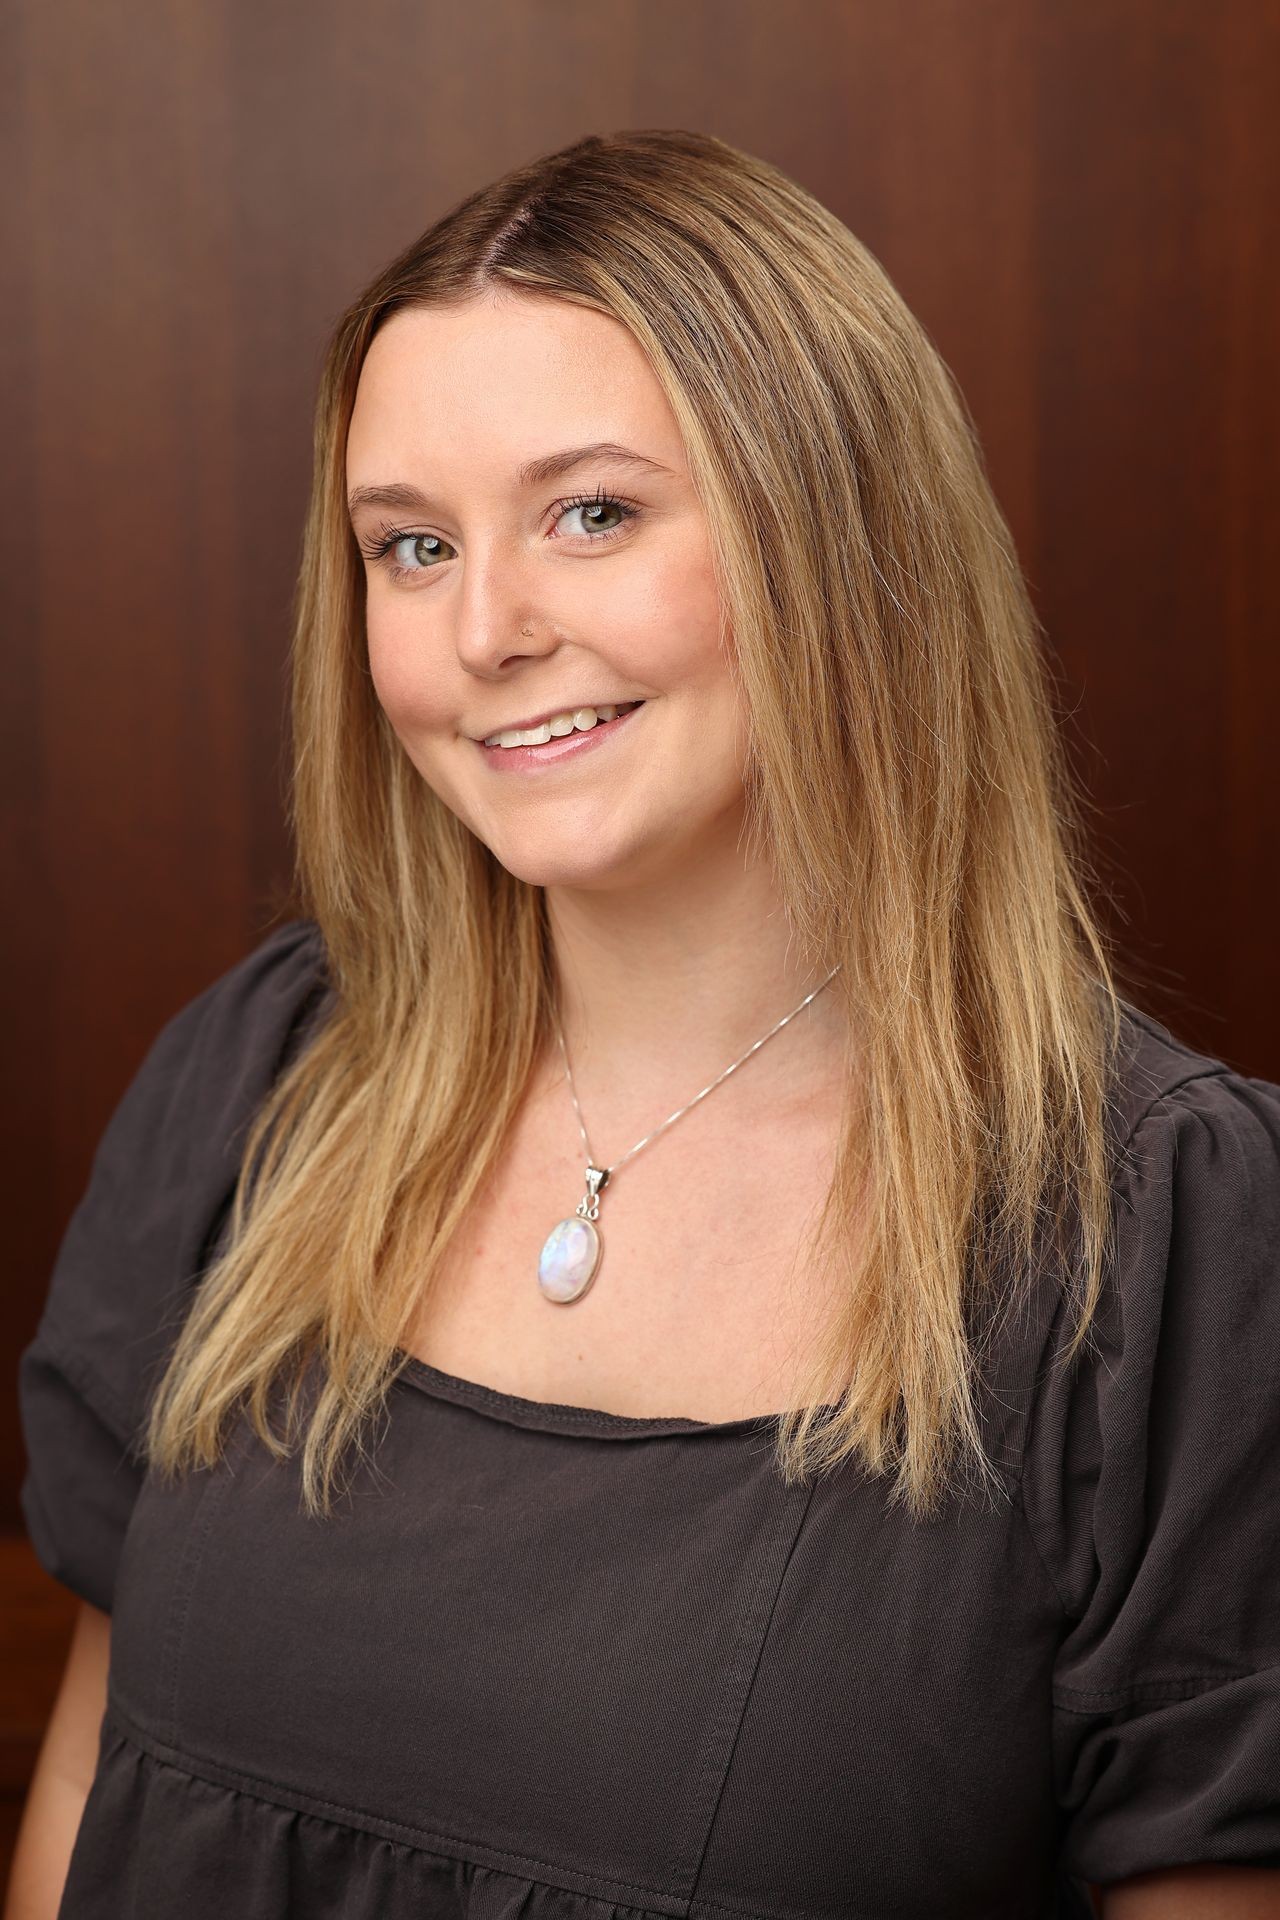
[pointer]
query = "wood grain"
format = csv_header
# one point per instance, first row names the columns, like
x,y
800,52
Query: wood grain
x,y
1072,199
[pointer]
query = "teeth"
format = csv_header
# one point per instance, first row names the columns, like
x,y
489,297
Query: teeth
x,y
580,718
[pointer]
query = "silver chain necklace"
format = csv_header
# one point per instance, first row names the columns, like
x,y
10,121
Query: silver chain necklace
x,y
570,1256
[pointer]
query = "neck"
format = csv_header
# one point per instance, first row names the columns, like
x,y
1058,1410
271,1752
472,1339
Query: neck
x,y
662,985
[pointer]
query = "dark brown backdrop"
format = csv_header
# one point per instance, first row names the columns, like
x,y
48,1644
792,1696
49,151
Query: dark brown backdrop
x,y
1071,196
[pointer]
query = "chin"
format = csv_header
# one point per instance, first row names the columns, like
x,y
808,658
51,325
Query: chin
x,y
586,863
568,872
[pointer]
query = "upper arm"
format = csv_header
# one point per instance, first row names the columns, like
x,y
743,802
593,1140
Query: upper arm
x,y
135,1249
1151,1485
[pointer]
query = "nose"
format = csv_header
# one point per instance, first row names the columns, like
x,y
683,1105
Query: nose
x,y
497,621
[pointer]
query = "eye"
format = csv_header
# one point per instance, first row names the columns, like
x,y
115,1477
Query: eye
x,y
413,552
593,504
416,553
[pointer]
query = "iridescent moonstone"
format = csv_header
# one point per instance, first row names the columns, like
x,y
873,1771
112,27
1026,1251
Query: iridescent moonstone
x,y
568,1259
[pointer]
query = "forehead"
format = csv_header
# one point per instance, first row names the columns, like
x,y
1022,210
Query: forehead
x,y
496,382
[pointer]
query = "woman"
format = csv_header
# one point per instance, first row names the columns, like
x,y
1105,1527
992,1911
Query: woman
x,y
730,1372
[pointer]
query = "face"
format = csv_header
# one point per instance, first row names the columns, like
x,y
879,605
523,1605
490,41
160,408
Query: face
x,y
499,598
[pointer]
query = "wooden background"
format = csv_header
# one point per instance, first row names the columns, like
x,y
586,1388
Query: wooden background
x,y
1071,194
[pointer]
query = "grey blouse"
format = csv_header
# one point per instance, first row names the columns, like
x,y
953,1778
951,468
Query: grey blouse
x,y
549,1663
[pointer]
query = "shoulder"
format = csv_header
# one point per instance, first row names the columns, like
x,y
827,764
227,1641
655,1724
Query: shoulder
x,y
1193,1267
1171,1397
1160,1079
1197,1163
252,1012
166,1165
137,1243
1150,1478
215,1058
1196,1179
1197,1249
207,1070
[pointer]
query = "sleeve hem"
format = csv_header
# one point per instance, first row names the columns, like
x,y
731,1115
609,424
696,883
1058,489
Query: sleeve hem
x,y
79,1371
1188,1687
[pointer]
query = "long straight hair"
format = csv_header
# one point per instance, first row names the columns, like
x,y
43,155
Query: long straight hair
x,y
906,778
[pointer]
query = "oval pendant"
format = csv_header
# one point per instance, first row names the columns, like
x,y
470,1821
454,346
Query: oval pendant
x,y
569,1258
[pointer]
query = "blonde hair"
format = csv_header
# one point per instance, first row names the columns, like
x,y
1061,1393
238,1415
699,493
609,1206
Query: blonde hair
x,y
906,777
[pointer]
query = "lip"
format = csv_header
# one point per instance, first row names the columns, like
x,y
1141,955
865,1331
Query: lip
x,y
565,747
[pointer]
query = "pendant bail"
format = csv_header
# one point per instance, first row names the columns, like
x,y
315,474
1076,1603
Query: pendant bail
x,y
597,1181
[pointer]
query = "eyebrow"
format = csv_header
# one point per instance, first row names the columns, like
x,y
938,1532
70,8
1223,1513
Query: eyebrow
x,y
549,466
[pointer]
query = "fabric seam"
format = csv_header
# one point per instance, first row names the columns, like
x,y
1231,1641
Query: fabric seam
x,y
171,1754
762,1644
1189,1687
80,1373
1216,1070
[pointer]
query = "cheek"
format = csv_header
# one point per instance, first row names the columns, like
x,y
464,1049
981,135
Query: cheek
x,y
676,618
410,692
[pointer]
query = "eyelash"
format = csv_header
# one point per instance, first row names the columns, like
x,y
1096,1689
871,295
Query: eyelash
x,y
389,537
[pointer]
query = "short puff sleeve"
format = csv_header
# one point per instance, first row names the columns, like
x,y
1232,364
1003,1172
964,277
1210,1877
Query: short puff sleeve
x,y
160,1185
1152,1490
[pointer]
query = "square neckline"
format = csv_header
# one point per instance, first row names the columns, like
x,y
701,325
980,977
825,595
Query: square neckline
x,y
554,1416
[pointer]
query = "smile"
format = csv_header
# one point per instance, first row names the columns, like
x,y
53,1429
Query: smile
x,y
558,725
565,736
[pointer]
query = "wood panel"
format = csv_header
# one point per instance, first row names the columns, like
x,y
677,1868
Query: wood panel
x,y
1073,200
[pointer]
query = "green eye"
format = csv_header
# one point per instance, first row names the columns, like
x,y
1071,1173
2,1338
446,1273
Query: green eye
x,y
595,504
412,552
402,552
